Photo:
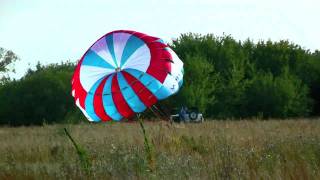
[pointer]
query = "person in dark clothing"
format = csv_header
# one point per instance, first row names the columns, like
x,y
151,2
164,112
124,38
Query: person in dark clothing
x,y
182,113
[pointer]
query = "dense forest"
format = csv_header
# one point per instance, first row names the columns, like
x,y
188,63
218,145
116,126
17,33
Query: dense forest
x,y
224,78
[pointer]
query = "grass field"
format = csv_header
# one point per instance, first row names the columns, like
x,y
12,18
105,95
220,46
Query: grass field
x,y
274,149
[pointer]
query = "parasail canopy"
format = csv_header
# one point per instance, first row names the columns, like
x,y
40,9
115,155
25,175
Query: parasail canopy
x,y
123,73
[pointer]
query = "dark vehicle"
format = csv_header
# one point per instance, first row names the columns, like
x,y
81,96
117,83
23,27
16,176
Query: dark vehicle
x,y
191,115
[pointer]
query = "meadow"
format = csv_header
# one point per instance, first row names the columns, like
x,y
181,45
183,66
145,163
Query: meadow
x,y
244,149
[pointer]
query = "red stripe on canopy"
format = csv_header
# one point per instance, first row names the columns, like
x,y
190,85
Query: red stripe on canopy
x,y
98,102
118,99
141,91
80,92
159,67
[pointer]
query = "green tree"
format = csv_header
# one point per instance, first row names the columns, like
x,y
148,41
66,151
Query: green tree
x,y
277,97
308,70
41,96
200,85
243,66
7,58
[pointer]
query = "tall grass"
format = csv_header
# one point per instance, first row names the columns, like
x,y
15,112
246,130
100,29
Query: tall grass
x,y
147,147
82,153
275,149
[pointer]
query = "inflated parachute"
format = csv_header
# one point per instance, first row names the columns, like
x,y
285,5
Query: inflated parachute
x,y
123,73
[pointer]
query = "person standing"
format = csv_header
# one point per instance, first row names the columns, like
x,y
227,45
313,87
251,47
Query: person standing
x,y
182,113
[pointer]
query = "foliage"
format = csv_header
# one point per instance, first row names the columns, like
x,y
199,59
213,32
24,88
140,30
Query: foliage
x,y
199,87
42,96
283,96
7,58
245,73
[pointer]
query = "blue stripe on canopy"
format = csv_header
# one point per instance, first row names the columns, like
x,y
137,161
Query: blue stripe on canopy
x,y
151,83
163,93
93,59
133,43
89,102
129,95
107,100
109,40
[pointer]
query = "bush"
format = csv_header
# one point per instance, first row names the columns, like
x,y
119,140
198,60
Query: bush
x,y
42,96
280,97
199,84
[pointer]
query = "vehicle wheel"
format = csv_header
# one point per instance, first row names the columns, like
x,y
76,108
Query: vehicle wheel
x,y
193,115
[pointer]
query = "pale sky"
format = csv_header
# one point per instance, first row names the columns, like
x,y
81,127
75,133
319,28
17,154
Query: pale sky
x,y
58,30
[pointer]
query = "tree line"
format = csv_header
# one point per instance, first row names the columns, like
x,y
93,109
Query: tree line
x,y
224,78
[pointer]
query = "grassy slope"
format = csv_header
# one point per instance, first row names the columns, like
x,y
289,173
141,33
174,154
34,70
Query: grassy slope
x,y
287,149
